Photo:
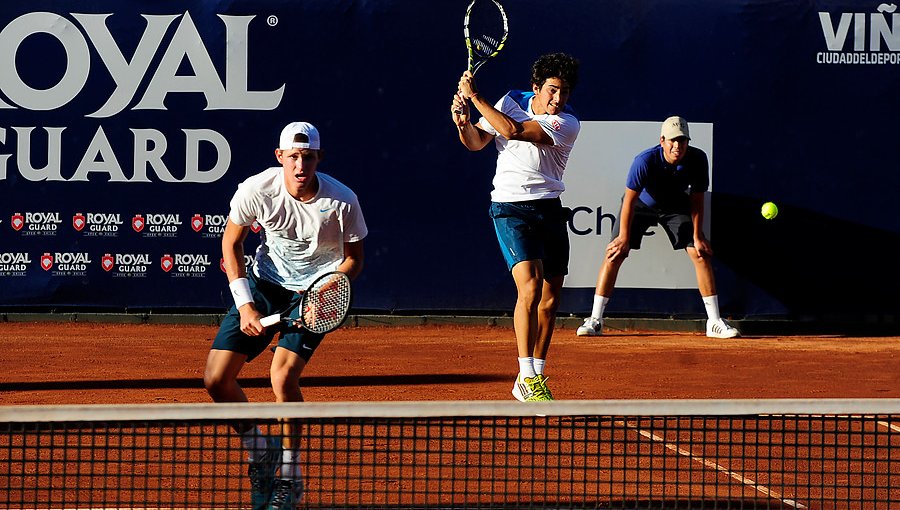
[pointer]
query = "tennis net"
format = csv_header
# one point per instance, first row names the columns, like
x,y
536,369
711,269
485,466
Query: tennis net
x,y
817,454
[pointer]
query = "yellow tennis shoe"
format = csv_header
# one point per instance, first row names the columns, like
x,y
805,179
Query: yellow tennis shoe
x,y
531,389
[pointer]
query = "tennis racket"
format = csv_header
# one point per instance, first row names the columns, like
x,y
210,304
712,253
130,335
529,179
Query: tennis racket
x,y
485,28
323,307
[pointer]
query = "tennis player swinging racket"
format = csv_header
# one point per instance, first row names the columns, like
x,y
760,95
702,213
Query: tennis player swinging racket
x,y
534,133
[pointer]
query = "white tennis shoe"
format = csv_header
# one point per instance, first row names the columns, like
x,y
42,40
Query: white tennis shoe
x,y
591,327
720,329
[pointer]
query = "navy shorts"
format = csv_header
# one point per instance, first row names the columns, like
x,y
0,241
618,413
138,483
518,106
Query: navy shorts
x,y
269,298
533,230
678,226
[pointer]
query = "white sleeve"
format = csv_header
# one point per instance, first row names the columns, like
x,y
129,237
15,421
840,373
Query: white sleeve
x,y
507,106
242,210
486,126
563,128
354,225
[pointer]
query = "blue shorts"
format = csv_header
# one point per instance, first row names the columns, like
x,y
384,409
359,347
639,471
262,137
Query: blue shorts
x,y
533,230
678,226
268,298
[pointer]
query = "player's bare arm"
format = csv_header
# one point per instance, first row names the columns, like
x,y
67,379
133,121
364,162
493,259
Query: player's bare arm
x,y
471,136
619,247
233,250
528,131
700,243
459,111
352,264
233,256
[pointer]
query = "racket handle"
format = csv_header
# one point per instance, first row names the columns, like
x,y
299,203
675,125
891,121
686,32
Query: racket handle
x,y
270,320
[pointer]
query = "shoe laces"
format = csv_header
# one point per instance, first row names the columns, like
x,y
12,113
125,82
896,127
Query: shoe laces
x,y
262,469
283,490
545,387
539,390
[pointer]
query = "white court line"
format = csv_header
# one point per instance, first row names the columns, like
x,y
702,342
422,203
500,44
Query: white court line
x,y
710,464
885,424
888,425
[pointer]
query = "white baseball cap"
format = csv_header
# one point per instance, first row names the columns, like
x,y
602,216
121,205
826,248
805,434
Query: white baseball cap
x,y
673,127
299,135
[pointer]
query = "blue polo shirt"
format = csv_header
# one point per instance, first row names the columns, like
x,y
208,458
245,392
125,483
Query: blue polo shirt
x,y
667,187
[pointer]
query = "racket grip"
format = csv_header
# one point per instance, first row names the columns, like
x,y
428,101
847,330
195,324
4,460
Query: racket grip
x,y
270,320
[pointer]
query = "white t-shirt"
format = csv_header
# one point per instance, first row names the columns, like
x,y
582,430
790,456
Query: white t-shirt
x,y
299,240
526,170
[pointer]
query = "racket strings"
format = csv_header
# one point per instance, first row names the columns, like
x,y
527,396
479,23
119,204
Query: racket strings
x,y
485,28
327,305
486,45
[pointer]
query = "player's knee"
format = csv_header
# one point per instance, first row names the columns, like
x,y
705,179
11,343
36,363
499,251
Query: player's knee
x,y
549,304
278,379
216,383
530,293
284,382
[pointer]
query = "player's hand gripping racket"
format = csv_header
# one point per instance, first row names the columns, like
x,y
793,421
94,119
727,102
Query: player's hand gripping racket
x,y
485,28
323,307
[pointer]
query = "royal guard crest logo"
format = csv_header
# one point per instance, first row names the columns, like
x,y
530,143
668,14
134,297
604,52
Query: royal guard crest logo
x,y
18,221
46,261
78,221
107,262
556,125
167,262
197,223
137,223
255,227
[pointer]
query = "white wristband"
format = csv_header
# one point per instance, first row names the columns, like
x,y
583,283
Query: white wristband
x,y
240,291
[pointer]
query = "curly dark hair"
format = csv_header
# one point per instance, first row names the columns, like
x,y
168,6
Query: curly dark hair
x,y
555,65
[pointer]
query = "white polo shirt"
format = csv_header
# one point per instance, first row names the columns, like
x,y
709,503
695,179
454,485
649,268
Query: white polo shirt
x,y
526,170
299,240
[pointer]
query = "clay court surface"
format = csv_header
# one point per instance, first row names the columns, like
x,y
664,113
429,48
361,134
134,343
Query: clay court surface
x,y
84,363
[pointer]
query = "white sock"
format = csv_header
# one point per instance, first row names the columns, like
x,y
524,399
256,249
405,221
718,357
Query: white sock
x,y
599,305
539,365
712,307
254,442
290,465
526,367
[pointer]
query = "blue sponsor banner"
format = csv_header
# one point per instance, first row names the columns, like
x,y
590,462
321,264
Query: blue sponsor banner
x,y
125,129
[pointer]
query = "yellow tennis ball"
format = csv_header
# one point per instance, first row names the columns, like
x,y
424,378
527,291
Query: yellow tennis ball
x,y
769,210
